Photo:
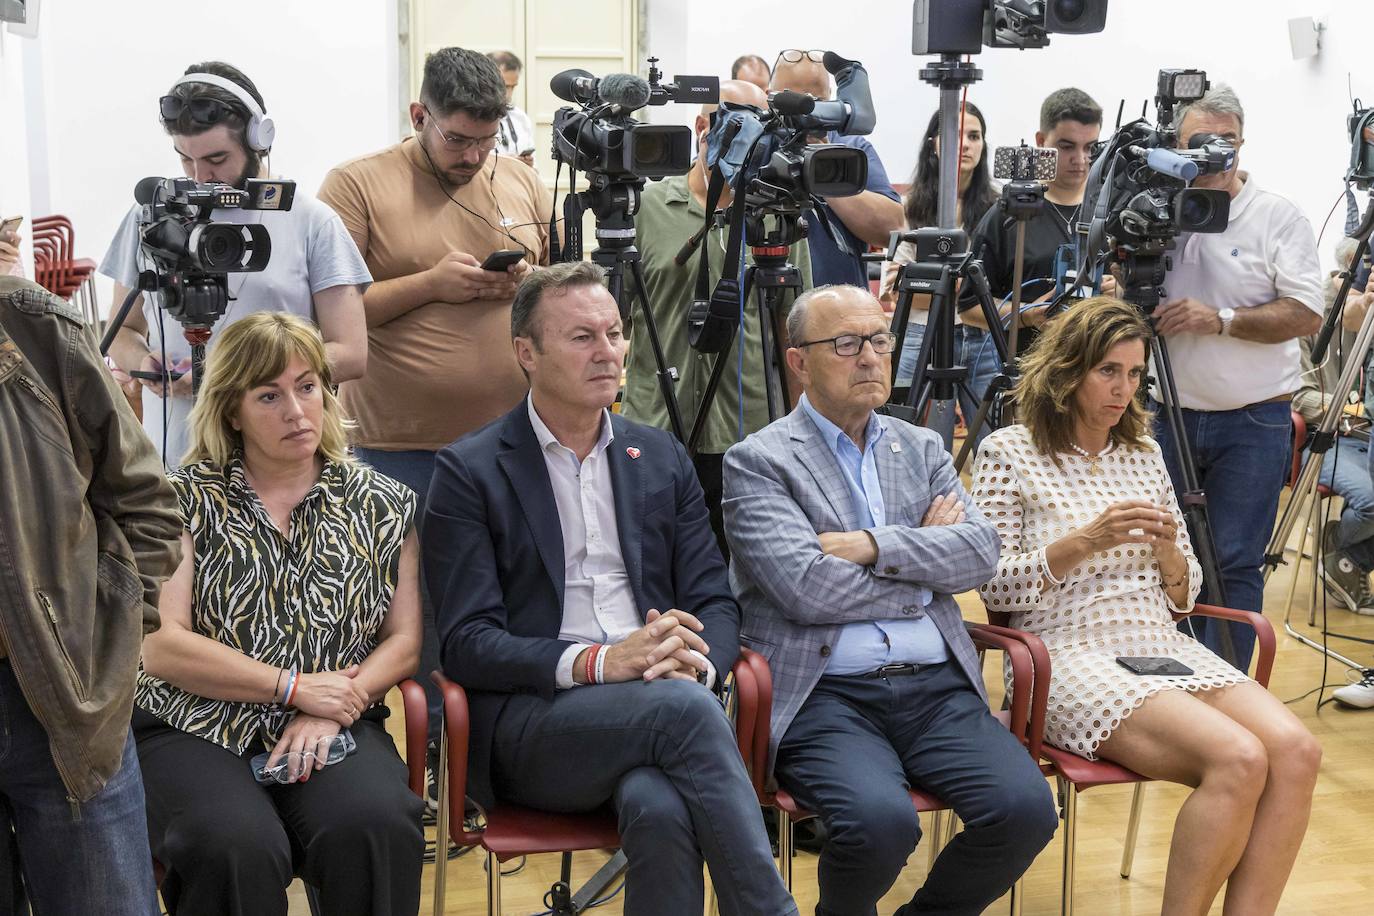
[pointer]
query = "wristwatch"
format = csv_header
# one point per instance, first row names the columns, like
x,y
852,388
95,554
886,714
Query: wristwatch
x,y
1226,315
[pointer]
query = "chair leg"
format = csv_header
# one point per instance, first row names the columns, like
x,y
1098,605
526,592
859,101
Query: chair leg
x,y
1070,801
1132,829
441,827
493,885
934,840
952,827
785,839
1017,893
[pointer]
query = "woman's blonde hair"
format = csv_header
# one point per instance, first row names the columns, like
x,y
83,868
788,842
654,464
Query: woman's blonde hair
x,y
1063,355
250,352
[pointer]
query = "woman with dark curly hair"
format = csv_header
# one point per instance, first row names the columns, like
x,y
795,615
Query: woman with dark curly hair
x,y
1096,560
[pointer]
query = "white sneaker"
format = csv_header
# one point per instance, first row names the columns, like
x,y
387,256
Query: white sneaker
x,y
1359,695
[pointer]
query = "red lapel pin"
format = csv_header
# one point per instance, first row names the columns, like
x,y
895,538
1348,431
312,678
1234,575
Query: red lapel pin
x,y
632,452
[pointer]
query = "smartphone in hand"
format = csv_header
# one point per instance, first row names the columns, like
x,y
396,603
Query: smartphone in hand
x,y
503,260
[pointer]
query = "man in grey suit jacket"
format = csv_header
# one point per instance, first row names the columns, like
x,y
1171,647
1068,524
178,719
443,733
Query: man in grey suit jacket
x,y
849,534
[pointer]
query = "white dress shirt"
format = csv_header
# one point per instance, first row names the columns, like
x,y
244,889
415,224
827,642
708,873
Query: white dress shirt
x,y
598,602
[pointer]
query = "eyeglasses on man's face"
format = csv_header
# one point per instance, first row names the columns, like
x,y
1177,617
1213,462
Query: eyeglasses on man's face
x,y
883,342
457,142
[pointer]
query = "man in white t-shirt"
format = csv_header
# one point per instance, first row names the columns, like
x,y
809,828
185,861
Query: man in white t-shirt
x,y
515,135
219,129
1236,303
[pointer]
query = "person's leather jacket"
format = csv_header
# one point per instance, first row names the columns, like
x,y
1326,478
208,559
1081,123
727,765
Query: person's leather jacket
x,y
88,532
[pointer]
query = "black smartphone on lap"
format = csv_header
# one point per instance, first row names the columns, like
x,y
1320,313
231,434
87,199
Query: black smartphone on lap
x,y
1157,665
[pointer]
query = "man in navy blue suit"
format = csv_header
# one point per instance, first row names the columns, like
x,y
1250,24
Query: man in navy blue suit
x,y
582,602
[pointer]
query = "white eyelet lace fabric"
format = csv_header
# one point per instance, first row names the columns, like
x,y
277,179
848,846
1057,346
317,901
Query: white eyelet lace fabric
x,y
1112,603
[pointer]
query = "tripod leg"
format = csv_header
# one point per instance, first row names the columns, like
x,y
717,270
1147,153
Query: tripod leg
x,y
1192,500
708,397
665,376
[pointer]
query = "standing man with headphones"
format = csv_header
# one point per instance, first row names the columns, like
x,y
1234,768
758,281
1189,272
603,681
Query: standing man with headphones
x,y
220,130
426,214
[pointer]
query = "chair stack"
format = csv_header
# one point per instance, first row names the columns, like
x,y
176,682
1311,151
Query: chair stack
x,y
58,270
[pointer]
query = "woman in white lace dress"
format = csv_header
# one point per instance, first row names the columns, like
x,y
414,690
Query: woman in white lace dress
x,y
1095,558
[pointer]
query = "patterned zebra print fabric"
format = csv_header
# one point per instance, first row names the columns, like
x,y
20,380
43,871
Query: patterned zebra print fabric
x,y
316,600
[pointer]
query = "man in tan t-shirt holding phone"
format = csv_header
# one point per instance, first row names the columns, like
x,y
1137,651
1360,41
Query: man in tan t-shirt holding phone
x,y
426,214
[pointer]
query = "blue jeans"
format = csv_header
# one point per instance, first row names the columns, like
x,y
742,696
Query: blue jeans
x,y
855,746
972,348
663,754
76,857
1347,471
1242,460
414,469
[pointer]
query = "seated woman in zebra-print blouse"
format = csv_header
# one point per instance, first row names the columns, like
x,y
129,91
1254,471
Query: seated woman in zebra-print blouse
x,y
294,610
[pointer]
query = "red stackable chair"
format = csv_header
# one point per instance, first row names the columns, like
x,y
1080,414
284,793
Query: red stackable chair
x,y
56,267
1025,718
1074,774
416,712
511,830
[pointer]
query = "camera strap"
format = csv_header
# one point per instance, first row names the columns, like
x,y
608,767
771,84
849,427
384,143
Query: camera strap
x,y
715,314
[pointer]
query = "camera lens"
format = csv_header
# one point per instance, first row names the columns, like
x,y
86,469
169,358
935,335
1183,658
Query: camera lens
x,y
1069,10
650,150
1195,210
221,247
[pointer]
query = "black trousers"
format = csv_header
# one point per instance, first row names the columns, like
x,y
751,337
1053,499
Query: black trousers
x,y
230,846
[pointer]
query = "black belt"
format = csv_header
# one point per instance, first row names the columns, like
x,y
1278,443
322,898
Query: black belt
x,y
897,670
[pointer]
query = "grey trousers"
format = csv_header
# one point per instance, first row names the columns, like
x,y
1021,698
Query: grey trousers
x,y
663,754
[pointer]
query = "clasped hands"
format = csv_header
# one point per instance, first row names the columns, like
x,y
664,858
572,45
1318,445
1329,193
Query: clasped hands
x,y
1133,521
326,702
661,649
860,548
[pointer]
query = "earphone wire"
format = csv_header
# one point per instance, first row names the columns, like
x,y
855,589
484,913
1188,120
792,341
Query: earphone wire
x,y
434,170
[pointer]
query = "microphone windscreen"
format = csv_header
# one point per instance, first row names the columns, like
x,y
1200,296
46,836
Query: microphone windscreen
x,y
624,89
788,102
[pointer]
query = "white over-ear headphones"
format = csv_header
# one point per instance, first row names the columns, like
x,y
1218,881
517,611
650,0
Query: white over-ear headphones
x,y
261,129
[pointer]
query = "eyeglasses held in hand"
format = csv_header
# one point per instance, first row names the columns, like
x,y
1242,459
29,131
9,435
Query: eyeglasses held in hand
x,y
794,56
291,767
883,342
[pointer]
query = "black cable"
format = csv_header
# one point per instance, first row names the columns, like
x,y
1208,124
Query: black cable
x,y
434,170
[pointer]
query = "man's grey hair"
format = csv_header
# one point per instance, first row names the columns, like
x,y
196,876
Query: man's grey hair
x,y
1220,100
796,318
559,277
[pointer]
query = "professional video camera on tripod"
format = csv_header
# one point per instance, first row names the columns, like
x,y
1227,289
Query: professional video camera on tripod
x,y
618,153
776,175
1139,201
192,256
952,29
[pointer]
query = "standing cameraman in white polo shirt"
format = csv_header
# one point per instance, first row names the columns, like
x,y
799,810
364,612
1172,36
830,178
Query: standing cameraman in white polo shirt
x,y
1237,303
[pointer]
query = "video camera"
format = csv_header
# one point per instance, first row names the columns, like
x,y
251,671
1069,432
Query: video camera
x,y
964,26
776,174
1138,188
191,254
600,137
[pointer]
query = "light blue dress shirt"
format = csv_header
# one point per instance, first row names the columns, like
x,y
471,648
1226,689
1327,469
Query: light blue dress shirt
x,y
865,645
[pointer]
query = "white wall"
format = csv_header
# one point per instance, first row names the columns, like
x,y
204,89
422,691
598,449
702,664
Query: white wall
x,y
14,154
327,71
1295,110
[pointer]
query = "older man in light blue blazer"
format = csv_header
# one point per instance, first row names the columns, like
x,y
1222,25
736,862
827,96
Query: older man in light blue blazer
x,y
849,534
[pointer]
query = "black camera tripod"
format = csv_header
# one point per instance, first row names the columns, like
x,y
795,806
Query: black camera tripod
x,y
776,283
